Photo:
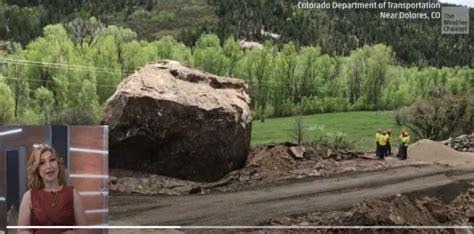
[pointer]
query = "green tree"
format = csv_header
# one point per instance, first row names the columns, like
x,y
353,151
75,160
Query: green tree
x,y
44,104
53,48
135,55
262,66
209,55
85,30
6,103
307,82
168,48
355,71
233,53
284,85
439,118
108,54
377,65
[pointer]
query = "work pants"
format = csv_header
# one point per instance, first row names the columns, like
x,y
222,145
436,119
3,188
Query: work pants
x,y
377,150
405,152
383,151
389,149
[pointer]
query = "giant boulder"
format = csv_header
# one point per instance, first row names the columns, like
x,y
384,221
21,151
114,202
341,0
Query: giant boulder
x,y
173,120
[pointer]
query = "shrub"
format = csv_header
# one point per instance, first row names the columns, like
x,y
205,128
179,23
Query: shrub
x,y
73,116
140,14
164,17
438,118
298,132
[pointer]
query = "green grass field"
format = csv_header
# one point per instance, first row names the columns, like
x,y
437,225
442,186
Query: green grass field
x,y
358,127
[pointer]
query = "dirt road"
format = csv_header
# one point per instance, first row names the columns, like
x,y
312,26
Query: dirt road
x,y
254,207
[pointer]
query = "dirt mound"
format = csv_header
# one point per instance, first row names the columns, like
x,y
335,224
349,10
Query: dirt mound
x,y
276,162
126,181
266,164
432,151
400,211
427,211
273,163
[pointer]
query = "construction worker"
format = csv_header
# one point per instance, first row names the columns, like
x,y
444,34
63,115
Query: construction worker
x,y
400,149
405,142
389,137
382,145
377,135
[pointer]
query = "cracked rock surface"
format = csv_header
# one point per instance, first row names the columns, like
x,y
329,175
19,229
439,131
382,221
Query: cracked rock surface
x,y
173,120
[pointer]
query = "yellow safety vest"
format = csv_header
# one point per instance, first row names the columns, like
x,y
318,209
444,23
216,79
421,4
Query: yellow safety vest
x,y
382,139
406,140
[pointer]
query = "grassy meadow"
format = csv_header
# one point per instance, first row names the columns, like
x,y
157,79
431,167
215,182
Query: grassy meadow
x,y
358,127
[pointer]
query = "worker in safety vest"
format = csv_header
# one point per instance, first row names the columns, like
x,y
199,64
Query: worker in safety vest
x,y
388,152
400,149
377,148
405,141
382,145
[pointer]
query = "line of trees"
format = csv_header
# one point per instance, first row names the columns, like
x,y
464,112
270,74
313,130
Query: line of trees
x,y
336,31
78,68
23,20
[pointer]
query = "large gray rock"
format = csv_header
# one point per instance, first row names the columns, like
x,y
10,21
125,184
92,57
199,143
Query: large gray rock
x,y
177,121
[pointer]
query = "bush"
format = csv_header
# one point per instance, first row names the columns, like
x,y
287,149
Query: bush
x,y
360,104
268,112
315,105
340,141
334,140
30,117
439,118
7,103
140,14
287,108
299,131
73,116
164,17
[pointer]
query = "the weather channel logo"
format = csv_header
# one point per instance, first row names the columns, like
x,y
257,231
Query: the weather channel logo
x,y
455,20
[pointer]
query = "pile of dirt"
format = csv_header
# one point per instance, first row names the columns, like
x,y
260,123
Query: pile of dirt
x,y
400,210
463,143
125,181
272,163
432,151
276,162
266,164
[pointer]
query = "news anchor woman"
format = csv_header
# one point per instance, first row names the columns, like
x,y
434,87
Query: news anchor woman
x,y
49,201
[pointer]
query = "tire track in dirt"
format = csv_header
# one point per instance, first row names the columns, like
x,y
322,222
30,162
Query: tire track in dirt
x,y
256,206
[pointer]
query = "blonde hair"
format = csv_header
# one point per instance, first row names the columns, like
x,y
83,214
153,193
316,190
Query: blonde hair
x,y
34,179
